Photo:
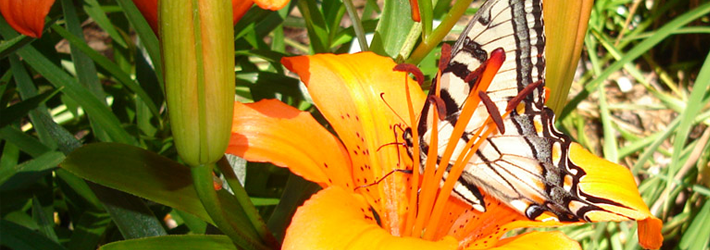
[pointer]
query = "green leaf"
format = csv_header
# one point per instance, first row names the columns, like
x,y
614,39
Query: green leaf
x,y
315,23
698,234
182,242
27,172
18,237
44,219
148,39
25,142
696,102
93,9
19,110
9,46
96,108
130,214
88,230
393,29
297,191
145,174
109,66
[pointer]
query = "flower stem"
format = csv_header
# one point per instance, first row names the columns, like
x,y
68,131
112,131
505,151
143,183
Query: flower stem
x,y
247,206
357,24
202,178
433,39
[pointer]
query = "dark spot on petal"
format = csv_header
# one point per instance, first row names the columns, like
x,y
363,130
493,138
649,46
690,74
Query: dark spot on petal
x,y
325,165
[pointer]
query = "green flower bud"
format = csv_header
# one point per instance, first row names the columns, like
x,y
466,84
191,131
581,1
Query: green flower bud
x,y
198,56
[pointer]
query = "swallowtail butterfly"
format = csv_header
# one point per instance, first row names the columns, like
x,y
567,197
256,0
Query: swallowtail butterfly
x,y
526,165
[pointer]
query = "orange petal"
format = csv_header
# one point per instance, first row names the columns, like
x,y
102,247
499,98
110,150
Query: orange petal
x,y
26,16
271,4
363,99
483,230
650,236
336,219
149,9
271,131
538,240
239,8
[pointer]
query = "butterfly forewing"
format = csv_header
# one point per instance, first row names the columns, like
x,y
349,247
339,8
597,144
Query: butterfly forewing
x,y
527,167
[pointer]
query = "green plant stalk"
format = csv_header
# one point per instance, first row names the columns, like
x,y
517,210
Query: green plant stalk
x,y
202,178
247,206
426,16
357,24
428,44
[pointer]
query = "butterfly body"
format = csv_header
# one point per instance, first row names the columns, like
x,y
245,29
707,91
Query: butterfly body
x,y
529,166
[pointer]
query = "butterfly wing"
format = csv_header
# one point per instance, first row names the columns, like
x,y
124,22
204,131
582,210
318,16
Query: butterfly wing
x,y
528,167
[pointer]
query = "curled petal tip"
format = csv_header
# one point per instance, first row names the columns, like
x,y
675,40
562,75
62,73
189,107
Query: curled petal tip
x,y
650,236
26,16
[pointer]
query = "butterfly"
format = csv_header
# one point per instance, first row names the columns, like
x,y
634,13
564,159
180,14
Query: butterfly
x,y
527,163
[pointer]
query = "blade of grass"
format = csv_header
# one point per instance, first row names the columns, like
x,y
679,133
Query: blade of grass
x,y
637,51
696,102
610,147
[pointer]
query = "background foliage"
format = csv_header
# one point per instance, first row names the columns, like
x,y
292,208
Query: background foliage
x,y
640,99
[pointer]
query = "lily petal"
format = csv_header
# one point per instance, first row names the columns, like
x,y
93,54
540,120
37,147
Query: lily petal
x,y
271,4
337,219
272,131
367,107
484,229
538,240
26,16
149,9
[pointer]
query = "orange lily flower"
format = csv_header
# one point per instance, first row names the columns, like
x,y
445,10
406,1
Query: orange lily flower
x,y
149,9
367,105
26,16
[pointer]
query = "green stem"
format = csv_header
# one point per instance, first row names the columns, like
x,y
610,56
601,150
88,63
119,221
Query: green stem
x,y
245,202
357,24
427,18
202,177
440,32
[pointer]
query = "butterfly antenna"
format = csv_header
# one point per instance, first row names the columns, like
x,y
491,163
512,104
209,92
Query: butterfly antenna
x,y
404,171
382,96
